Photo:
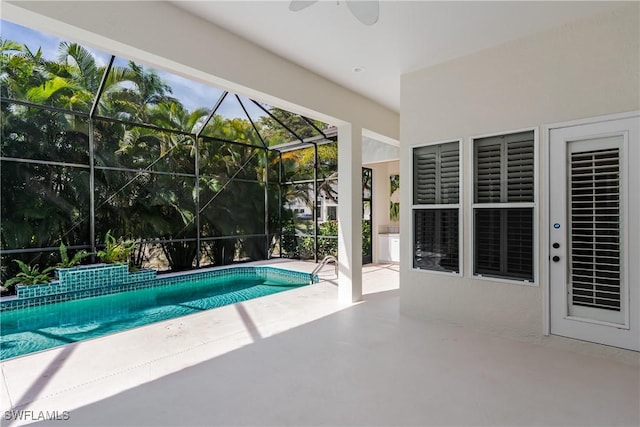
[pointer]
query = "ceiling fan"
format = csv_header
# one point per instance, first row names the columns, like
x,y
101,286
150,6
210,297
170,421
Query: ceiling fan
x,y
364,10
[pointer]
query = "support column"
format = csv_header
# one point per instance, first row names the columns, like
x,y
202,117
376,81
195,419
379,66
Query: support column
x,y
349,213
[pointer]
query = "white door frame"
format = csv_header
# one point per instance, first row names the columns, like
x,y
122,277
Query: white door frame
x,y
545,225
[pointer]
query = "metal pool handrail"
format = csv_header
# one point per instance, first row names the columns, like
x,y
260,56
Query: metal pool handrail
x,y
325,261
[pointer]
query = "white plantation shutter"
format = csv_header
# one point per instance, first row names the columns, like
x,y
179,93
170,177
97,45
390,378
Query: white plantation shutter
x,y
503,236
436,181
487,251
436,174
436,237
424,170
449,173
488,172
519,257
504,168
594,202
520,168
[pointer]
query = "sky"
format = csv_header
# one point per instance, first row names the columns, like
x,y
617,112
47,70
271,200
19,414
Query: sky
x,y
190,93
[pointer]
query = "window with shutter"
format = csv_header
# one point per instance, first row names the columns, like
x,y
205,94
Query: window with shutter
x,y
504,205
436,191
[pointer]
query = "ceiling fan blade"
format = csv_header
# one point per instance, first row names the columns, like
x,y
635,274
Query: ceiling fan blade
x,y
366,11
297,5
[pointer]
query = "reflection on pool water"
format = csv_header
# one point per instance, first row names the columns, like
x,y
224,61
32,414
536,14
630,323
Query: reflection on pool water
x,y
32,329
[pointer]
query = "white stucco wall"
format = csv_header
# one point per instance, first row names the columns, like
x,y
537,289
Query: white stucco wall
x,y
581,70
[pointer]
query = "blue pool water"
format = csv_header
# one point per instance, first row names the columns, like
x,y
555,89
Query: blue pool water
x,y
32,329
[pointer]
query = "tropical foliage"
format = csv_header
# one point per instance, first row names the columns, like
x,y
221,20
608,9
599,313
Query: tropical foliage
x,y
29,275
394,204
303,246
116,251
68,262
134,156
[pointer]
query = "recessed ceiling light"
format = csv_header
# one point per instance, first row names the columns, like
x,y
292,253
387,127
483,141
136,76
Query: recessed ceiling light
x,y
358,69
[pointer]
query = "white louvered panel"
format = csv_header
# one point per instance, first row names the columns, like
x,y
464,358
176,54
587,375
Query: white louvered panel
x,y
436,177
425,178
520,156
436,174
595,229
449,174
488,173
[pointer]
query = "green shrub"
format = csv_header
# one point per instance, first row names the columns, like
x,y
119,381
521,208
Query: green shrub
x,y
289,243
305,248
302,247
327,241
116,252
66,262
29,275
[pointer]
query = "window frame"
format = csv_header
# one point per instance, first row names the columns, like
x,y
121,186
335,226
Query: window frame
x,y
332,208
458,206
533,205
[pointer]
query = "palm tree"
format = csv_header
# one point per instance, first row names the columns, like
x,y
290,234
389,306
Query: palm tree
x,y
17,71
145,90
42,204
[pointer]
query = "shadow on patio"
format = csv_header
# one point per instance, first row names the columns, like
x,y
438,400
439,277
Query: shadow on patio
x,y
368,365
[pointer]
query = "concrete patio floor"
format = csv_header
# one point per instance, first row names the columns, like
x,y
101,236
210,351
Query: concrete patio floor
x,y
300,358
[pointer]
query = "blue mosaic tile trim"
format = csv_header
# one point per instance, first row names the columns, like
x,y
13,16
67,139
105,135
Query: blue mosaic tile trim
x,y
287,275
31,291
96,283
86,278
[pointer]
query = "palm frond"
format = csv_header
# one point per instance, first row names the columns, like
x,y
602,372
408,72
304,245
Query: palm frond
x,y
83,60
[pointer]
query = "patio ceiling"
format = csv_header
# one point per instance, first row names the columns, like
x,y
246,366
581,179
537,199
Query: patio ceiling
x,y
409,35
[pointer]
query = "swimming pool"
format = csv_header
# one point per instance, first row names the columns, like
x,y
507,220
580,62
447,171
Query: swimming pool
x,y
32,329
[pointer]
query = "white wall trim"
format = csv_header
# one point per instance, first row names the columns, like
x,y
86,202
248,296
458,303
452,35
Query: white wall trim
x,y
506,132
367,133
590,120
377,162
439,273
544,236
444,141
